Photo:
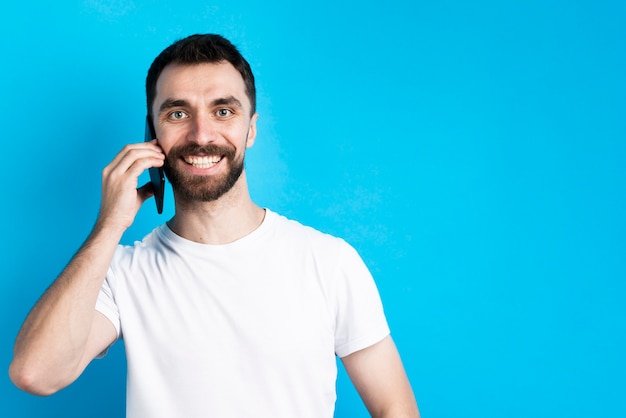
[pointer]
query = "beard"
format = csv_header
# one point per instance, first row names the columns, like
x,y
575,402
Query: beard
x,y
195,188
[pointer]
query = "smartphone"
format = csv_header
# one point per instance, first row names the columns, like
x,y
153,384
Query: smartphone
x,y
157,178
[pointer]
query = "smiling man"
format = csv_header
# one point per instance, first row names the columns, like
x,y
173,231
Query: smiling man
x,y
203,101
228,309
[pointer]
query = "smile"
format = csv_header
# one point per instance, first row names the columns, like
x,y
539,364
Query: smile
x,y
206,161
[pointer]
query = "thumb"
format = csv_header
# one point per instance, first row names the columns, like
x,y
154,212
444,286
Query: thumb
x,y
145,192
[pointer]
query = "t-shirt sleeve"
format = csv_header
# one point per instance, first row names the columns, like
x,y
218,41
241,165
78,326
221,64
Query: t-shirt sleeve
x,y
360,319
106,305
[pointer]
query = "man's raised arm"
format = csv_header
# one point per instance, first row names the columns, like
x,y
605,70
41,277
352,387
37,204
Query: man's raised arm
x,y
63,332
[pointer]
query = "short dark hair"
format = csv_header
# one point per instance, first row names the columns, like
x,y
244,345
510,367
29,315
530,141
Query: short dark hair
x,y
197,49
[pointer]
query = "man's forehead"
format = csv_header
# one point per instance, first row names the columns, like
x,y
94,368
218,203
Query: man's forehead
x,y
218,79
195,76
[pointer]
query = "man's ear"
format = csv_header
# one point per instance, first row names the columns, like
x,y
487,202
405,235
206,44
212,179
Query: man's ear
x,y
252,131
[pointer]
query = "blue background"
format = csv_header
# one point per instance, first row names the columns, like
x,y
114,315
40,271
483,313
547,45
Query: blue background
x,y
473,152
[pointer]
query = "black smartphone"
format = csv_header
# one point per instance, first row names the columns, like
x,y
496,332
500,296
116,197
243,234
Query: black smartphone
x,y
157,178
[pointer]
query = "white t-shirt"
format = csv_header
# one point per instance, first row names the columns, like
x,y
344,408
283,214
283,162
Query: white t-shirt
x,y
244,329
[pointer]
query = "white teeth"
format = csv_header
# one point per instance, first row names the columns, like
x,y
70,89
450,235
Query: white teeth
x,y
204,161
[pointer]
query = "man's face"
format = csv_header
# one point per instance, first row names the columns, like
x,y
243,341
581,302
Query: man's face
x,y
203,123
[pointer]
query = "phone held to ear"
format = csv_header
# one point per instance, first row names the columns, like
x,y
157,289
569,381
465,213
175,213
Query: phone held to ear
x,y
157,178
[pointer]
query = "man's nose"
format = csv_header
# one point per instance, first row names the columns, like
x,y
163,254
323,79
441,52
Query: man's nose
x,y
203,130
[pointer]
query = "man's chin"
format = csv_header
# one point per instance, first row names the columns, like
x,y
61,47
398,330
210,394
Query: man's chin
x,y
197,188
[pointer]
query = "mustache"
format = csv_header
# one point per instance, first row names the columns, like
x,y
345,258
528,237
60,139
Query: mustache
x,y
195,149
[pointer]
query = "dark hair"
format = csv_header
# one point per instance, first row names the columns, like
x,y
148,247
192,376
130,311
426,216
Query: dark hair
x,y
197,49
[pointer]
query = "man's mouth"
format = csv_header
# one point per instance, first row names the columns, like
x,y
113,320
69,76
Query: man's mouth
x,y
204,161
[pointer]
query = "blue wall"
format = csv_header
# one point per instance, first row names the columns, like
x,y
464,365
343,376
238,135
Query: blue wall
x,y
473,152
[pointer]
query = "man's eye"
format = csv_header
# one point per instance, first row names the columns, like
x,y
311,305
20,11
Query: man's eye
x,y
223,113
179,114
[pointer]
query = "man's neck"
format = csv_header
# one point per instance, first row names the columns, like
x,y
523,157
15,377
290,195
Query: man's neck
x,y
225,220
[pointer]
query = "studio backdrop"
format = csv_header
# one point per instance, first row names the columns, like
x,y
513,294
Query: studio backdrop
x,y
472,152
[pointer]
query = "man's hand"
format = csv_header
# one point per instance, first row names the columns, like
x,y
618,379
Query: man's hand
x,y
121,196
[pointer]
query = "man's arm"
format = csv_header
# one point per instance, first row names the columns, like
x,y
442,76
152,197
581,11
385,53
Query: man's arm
x,y
64,332
378,375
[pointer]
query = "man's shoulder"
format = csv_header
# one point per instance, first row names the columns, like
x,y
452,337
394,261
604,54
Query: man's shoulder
x,y
293,229
148,243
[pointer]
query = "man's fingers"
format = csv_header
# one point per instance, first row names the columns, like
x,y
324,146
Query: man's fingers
x,y
145,192
135,158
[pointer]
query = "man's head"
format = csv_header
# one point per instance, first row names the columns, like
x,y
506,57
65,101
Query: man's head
x,y
198,49
201,98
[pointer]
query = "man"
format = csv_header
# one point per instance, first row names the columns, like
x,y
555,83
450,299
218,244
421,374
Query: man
x,y
227,310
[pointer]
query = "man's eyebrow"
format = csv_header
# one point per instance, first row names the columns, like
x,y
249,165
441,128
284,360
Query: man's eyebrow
x,y
171,103
222,101
227,101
